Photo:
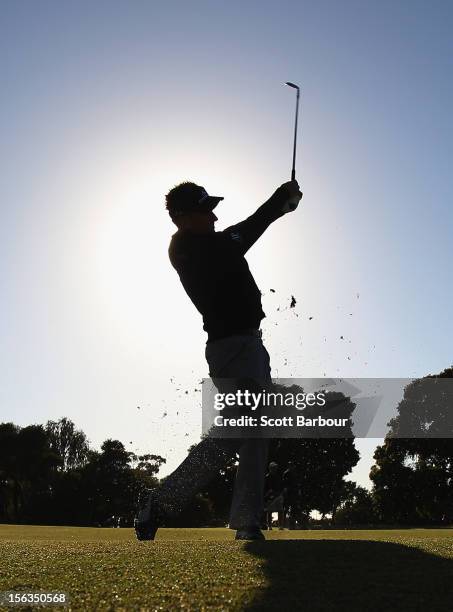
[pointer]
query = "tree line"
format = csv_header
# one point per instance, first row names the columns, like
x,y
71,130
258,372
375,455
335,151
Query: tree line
x,y
50,475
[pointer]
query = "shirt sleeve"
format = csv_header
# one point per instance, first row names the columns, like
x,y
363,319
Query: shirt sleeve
x,y
246,233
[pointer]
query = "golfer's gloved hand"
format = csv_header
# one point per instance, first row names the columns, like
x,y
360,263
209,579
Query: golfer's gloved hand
x,y
294,196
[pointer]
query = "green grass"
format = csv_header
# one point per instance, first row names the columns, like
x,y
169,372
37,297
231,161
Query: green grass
x,y
205,569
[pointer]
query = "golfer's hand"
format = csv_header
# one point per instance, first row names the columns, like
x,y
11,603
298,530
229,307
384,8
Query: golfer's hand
x,y
294,196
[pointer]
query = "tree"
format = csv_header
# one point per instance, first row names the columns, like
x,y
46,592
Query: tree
x,y
69,443
357,506
113,480
48,475
148,464
219,493
320,468
413,474
9,482
26,464
322,460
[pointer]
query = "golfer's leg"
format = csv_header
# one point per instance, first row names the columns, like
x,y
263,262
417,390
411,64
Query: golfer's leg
x,y
209,456
247,503
201,465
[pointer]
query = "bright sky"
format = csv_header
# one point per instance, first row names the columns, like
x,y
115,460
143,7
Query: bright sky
x,y
106,105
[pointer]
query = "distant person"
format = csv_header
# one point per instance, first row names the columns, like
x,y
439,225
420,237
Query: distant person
x,y
290,493
273,495
215,274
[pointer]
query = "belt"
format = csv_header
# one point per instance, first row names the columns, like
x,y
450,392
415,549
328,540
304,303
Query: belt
x,y
250,331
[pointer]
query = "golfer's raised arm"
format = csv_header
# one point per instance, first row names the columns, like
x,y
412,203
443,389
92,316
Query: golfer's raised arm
x,y
285,199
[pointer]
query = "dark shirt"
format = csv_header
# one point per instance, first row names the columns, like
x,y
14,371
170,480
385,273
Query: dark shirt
x,y
273,485
216,275
289,482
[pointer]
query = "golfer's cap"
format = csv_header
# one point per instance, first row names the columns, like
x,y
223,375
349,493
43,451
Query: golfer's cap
x,y
189,197
207,201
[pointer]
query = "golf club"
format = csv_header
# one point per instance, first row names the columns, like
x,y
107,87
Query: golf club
x,y
293,171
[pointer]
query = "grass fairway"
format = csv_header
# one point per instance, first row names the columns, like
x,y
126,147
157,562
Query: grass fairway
x,y
205,569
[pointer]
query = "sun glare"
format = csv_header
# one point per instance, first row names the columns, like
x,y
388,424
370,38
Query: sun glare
x,y
131,263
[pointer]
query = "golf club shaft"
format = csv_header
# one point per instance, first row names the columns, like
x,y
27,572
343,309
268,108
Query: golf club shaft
x,y
293,171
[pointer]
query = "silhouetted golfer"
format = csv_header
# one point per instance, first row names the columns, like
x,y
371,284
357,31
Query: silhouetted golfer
x,y
273,495
216,276
291,493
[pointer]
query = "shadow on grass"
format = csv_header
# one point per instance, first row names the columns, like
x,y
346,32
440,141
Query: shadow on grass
x,y
352,575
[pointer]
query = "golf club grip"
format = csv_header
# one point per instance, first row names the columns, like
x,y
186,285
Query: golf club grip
x,y
293,178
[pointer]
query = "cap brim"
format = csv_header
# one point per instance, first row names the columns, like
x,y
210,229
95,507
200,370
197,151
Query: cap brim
x,y
211,202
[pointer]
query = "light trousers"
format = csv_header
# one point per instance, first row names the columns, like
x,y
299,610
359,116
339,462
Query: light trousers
x,y
245,359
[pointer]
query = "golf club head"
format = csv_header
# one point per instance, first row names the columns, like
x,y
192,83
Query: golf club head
x,y
297,88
